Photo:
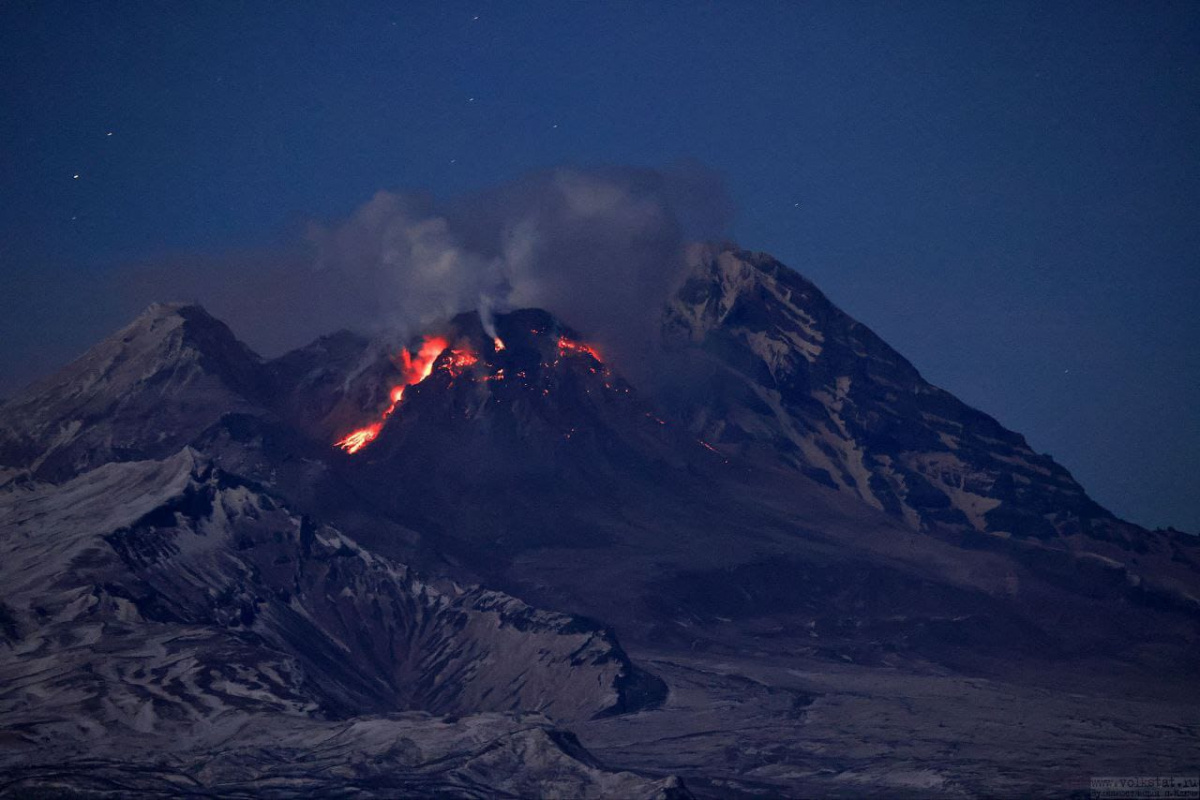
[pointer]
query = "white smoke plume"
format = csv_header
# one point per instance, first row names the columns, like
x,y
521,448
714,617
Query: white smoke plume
x,y
600,248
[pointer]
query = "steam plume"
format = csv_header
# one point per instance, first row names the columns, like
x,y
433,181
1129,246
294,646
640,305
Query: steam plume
x,y
600,248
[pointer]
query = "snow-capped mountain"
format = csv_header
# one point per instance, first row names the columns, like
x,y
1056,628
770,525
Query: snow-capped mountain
x,y
144,392
429,565
793,379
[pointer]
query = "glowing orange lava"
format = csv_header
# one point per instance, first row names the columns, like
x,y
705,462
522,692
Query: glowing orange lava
x,y
460,360
413,369
567,346
435,352
417,369
360,438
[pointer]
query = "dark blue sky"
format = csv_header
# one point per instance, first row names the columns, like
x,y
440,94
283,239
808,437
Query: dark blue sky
x,y
1006,192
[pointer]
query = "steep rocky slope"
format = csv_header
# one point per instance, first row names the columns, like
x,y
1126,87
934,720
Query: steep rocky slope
x,y
789,377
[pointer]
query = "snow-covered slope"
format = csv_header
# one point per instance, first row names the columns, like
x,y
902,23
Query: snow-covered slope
x,y
287,756
166,601
144,392
791,378
215,595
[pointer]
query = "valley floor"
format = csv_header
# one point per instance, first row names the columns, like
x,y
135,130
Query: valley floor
x,y
751,727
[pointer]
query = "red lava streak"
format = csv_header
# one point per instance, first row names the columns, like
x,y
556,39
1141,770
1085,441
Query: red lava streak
x,y
435,353
567,346
360,438
413,370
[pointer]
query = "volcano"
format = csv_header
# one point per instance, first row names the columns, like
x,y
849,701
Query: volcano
x,y
483,561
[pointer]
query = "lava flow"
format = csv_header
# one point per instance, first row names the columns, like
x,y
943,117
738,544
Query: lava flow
x,y
413,369
459,360
567,346
435,352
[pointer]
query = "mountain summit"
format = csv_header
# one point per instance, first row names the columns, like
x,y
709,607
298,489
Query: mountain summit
x,y
144,392
792,379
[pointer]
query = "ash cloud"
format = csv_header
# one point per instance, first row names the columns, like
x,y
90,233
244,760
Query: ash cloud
x,y
601,248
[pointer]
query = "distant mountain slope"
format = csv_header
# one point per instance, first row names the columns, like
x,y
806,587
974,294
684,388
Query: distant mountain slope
x,y
537,467
784,375
538,444
324,387
144,392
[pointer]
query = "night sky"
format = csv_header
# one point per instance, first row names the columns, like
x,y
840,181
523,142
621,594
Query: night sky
x,y
1006,192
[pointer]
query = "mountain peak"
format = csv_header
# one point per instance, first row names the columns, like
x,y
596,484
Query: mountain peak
x,y
174,359
191,323
168,308
796,380
525,377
